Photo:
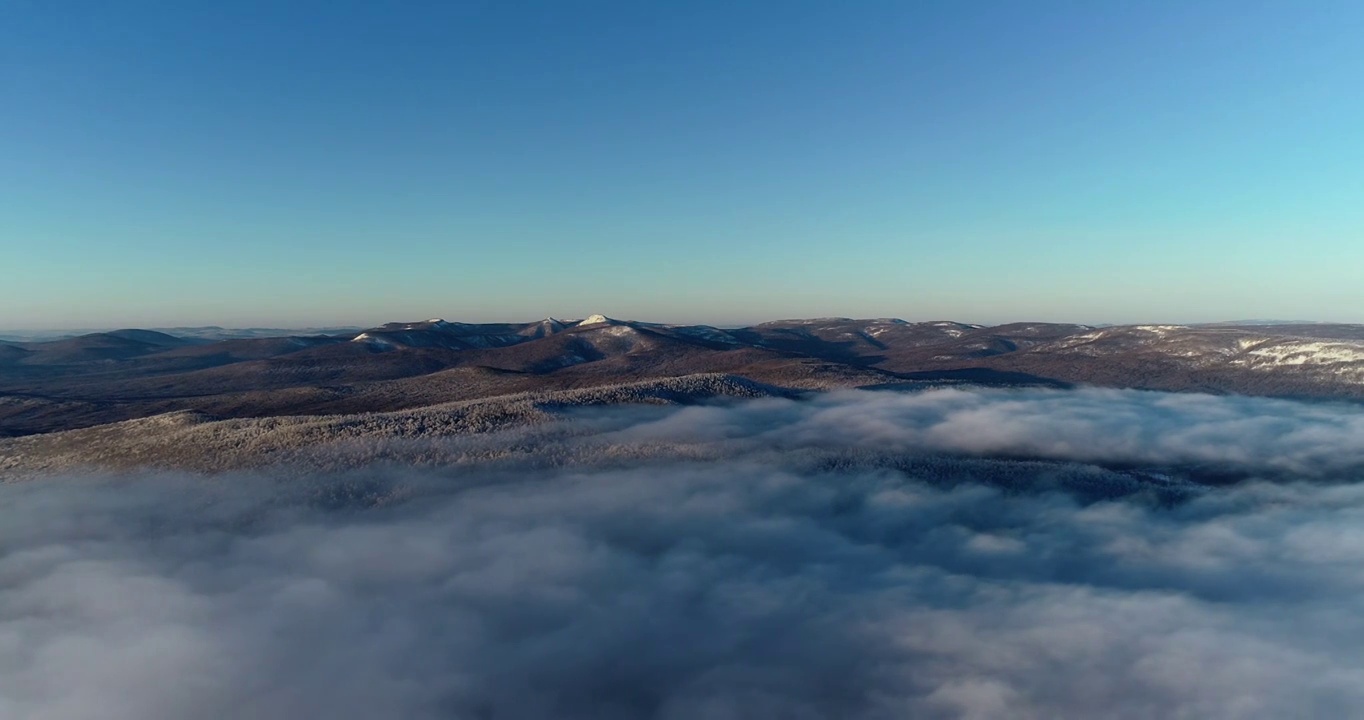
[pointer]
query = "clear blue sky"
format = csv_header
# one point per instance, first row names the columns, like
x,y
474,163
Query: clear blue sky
x,y
286,163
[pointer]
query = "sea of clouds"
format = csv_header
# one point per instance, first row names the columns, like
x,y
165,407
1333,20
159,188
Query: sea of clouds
x,y
743,580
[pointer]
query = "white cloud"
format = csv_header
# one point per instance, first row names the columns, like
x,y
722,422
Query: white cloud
x,y
768,578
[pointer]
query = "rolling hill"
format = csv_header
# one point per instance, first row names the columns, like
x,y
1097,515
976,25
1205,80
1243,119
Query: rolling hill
x,y
128,374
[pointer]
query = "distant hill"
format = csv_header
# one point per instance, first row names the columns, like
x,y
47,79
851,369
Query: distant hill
x,y
126,374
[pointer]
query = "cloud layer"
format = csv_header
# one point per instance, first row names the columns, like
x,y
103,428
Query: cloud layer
x,y
1090,425
747,582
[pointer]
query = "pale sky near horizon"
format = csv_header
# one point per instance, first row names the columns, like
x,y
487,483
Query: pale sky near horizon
x,y
343,162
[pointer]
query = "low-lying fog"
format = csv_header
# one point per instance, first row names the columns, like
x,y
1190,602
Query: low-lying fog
x,y
954,554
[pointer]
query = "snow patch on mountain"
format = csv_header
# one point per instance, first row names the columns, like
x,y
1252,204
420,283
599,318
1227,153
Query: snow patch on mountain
x,y
1160,330
1304,353
373,340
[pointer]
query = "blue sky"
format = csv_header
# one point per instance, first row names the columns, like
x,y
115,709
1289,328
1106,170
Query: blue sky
x,y
288,163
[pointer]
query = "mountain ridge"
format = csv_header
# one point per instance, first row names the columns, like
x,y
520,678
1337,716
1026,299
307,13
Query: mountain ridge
x,y
126,374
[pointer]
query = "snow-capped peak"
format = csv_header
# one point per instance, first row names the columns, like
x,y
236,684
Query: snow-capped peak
x,y
595,319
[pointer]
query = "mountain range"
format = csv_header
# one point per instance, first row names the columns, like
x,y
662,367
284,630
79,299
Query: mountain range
x,y
105,377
